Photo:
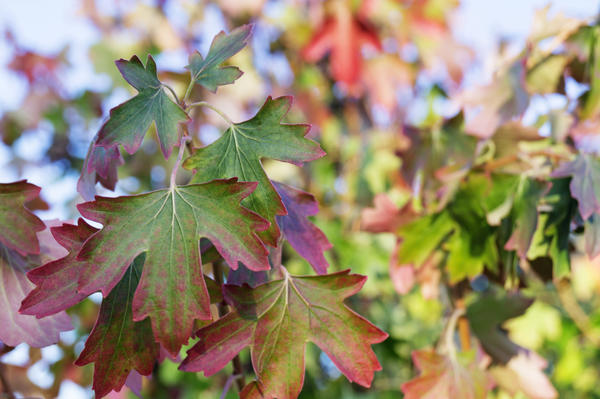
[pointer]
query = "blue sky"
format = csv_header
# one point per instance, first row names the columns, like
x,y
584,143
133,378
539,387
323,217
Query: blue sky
x,y
46,26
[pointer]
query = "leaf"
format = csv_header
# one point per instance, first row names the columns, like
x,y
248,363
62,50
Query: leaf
x,y
207,71
486,315
303,236
100,165
19,225
117,344
414,249
498,102
525,214
129,122
524,373
343,34
585,182
472,246
445,378
239,150
386,217
167,225
56,281
14,286
551,237
276,320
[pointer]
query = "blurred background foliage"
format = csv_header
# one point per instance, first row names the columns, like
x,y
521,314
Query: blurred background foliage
x,y
382,83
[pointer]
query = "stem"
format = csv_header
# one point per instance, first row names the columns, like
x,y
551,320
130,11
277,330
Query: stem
x,y
215,109
463,327
172,92
238,371
188,91
173,183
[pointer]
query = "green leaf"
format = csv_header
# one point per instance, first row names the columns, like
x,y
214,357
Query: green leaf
x,y
239,150
208,71
525,214
551,238
18,224
486,315
129,122
118,344
167,225
276,320
473,244
414,249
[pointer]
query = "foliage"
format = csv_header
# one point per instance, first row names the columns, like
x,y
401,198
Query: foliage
x,y
472,210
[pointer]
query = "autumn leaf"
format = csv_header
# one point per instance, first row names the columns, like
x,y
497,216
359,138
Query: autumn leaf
x,y
14,286
208,71
585,182
239,150
343,34
385,216
100,165
19,225
118,344
56,281
129,122
445,378
298,230
276,320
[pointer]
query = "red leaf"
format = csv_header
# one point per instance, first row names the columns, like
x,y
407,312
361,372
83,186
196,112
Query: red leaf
x,y
343,34
276,320
303,236
57,280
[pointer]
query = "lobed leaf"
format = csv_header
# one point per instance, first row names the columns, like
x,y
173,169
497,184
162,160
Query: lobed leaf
x,y
208,71
276,320
303,236
129,122
18,225
585,182
118,344
167,225
238,152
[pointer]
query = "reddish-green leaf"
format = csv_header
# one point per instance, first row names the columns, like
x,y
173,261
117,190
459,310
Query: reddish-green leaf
x,y
118,344
56,281
100,165
239,151
129,122
15,327
17,224
167,225
276,320
445,378
208,71
585,182
303,236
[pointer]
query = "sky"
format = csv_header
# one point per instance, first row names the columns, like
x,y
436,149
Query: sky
x,y
46,26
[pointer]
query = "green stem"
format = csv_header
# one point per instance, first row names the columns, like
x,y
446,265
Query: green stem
x,y
213,108
172,92
188,91
182,142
